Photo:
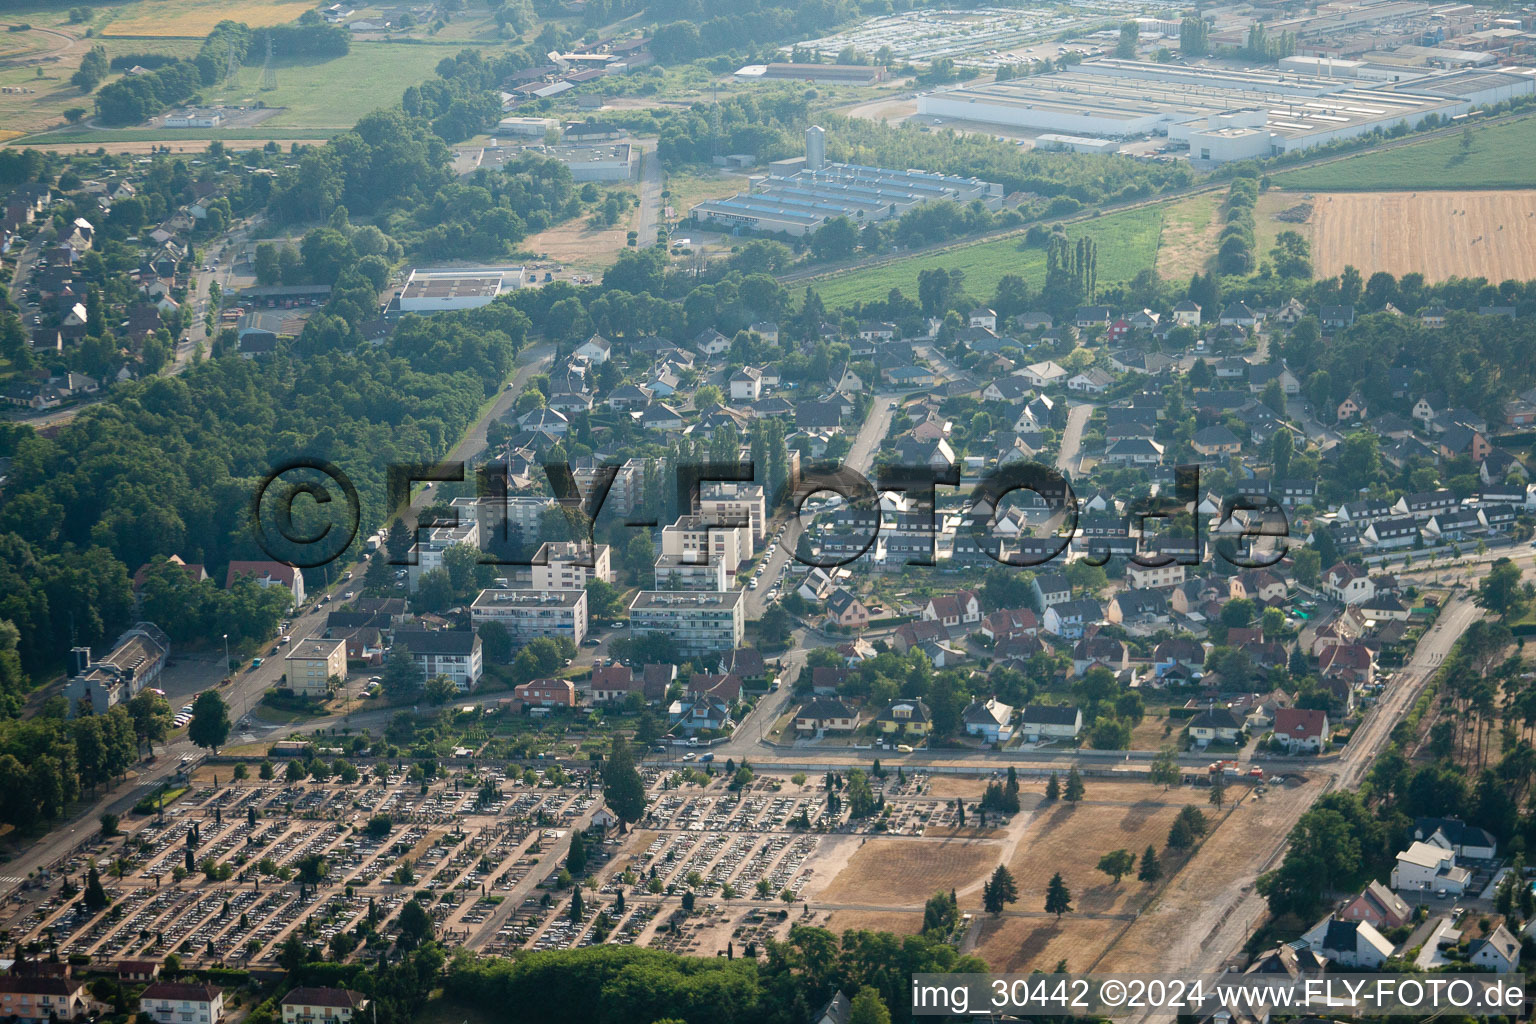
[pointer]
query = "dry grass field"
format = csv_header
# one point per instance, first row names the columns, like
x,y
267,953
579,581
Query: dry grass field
x,y
1023,944
580,246
906,871
1188,241
197,17
1196,898
1437,234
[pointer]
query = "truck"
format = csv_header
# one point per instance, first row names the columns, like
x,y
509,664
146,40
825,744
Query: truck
x,y
1227,767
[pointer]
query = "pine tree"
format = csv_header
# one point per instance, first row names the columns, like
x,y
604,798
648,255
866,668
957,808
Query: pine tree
x,y
576,860
1053,788
576,907
1218,789
1058,898
95,895
623,789
999,890
1151,870
1074,791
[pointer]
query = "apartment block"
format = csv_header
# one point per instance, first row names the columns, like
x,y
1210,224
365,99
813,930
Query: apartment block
x,y
529,614
696,622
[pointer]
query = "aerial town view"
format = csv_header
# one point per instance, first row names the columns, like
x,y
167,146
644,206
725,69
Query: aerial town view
x,y
803,513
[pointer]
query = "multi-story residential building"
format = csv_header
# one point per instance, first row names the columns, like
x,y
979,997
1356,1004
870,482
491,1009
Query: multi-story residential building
x,y
703,537
696,622
559,565
733,499
672,573
455,653
528,614
42,998
135,661
322,1006
1149,577
173,1002
624,494
313,663
430,549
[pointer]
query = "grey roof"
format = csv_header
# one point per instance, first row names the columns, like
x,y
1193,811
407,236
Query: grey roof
x,y
437,641
1049,714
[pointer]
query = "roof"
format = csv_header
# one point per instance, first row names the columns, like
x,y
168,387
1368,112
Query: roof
x,y
437,641
1424,855
825,707
182,990
1049,714
1216,718
919,711
1300,723
338,997
987,712
1456,830
275,570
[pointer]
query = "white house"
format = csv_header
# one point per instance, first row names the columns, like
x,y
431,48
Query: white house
x,y
1067,619
1425,867
173,1002
747,384
324,1005
1499,952
989,719
595,350
1050,722
1349,943
1348,584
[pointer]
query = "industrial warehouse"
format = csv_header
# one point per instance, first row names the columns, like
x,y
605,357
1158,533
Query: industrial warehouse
x,y
801,194
438,290
1223,114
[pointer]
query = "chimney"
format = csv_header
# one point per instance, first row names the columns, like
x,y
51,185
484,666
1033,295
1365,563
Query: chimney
x,y
79,660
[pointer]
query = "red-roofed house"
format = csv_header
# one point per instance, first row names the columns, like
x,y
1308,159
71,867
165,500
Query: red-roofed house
x,y
195,572
546,693
268,574
1301,729
1350,662
1007,624
961,608
38,999
614,683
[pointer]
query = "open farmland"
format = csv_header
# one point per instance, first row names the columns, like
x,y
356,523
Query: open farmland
x,y
196,17
1501,156
1127,245
1437,234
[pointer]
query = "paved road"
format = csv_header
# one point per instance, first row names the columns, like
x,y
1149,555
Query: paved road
x,y
1201,949
649,214
860,457
1072,438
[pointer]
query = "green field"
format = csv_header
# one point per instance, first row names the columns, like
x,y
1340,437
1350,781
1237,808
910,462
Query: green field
x,y
1127,245
334,93
1502,156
